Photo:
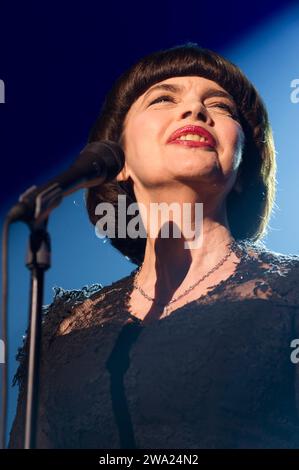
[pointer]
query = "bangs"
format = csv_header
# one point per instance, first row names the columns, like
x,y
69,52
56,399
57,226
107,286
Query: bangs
x,y
190,60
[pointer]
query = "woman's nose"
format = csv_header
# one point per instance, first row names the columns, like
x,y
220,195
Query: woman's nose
x,y
198,112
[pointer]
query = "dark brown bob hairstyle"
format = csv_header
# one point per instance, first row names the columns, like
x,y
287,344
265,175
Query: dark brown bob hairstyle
x,y
248,208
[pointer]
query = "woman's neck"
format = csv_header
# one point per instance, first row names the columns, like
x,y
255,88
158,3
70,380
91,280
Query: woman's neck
x,y
168,262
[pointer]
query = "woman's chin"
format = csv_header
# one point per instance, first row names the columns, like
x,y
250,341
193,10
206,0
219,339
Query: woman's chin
x,y
195,170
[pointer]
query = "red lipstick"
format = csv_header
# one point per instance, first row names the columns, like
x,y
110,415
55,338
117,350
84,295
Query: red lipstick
x,y
192,129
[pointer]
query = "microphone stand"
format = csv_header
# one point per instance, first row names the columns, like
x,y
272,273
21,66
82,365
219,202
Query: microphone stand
x,y
98,162
38,261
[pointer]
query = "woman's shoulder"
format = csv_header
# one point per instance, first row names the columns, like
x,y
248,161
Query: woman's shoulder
x,y
279,271
72,309
275,260
83,307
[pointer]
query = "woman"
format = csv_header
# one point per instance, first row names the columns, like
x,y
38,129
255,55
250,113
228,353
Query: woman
x,y
192,349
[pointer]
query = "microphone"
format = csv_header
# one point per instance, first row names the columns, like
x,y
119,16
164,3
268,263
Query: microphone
x,y
97,163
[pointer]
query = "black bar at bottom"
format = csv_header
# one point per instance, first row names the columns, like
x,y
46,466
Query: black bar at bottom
x,y
118,459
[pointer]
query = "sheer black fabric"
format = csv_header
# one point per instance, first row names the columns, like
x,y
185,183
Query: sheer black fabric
x,y
215,373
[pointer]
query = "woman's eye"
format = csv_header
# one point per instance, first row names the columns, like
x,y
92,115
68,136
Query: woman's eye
x,y
227,107
221,105
162,98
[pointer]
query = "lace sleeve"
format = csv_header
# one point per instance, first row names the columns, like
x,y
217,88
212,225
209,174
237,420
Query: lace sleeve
x,y
289,284
52,315
285,279
265,274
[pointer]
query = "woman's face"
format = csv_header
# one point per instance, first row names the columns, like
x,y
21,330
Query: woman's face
x,y
154,162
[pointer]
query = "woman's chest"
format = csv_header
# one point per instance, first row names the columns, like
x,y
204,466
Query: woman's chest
x,y
190,364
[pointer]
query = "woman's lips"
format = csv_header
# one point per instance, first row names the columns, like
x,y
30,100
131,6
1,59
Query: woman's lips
x,y
192,129
191,143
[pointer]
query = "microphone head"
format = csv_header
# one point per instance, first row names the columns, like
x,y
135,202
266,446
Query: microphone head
x,y
104,155
98,162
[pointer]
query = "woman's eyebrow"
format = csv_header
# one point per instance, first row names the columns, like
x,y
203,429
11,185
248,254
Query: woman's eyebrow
x,y
211,92
175,88
166,87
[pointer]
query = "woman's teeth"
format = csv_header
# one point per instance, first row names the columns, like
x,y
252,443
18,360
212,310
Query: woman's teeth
x,y
196,137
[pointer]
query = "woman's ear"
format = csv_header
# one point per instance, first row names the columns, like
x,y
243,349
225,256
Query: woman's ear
x,y
123,175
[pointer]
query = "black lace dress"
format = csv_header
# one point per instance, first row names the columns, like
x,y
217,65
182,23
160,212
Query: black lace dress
x,y
216,373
